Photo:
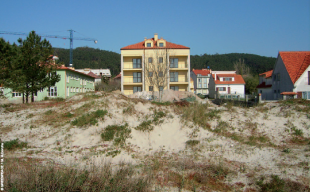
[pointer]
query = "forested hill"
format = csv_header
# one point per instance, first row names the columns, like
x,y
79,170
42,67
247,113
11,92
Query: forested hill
x,y
85,57
220,62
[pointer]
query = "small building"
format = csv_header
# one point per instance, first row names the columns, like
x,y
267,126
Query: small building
x,y
100,73
201,78
71,83
265,85
226,82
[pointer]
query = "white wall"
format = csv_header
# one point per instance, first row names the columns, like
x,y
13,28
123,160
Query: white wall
x,y
302,83
234,89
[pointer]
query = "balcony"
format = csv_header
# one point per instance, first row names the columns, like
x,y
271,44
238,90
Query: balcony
x,y
132,67
179,81
132,81
179,67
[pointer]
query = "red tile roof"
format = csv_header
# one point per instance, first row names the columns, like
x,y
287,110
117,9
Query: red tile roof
x,y
93,75
141,45
238,79
288,93
263,85
267,74
119,76
296,62
67,68
203,72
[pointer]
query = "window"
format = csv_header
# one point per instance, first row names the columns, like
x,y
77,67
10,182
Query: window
x,y
148,45
137,89
199,80
278,90
308,77
136,63
160,59
150,88
278,77
160,74
150,59
16,94
161,44
174,62
150,74
199,75
175,88
68,77
161,88
52,92
81,82
222,88
174,76
35,94
137,77
199,85
227,79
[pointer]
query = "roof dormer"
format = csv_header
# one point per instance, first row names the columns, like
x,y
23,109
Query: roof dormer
x,y
161,43
148,43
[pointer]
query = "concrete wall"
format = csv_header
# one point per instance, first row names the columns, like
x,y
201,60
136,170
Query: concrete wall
x,y
302,83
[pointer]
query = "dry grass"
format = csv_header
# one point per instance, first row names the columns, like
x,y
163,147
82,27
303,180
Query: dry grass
x,y
29,175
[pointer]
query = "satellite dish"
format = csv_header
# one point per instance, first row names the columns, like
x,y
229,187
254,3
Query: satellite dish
x,y
95,41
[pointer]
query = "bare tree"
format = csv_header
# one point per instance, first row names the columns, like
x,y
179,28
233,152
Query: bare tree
x,y
241,68
156,70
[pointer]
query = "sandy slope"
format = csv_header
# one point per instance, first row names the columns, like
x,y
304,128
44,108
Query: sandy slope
x,y
70,145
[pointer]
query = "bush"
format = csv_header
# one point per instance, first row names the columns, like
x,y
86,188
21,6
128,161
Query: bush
x,y
90,118
14,144
192,143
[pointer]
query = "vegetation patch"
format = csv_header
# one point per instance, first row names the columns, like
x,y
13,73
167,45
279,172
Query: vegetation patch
x,y
118,133
199,114
162,103
278,184
14,144
192,143
29,175
221,127
147,125
89,119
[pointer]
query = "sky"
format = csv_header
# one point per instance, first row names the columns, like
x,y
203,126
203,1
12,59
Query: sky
x,y
261,27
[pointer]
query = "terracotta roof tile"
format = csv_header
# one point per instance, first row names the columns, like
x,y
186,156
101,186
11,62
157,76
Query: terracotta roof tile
x,y
296,62
67,68
267,74
263,85
238,79
141,45
93,75
118,76
288,93
203,72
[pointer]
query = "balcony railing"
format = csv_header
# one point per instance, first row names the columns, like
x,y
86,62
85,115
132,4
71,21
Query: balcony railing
x,y
132,66
179,66
178,80
139,80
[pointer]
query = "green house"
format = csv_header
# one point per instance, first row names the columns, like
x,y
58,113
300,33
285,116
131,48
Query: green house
x,y
71,83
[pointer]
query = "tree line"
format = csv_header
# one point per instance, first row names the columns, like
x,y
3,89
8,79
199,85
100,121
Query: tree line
x,y
86,57
27,67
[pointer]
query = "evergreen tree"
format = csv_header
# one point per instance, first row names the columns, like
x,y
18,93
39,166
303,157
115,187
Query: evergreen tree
x,y
37,64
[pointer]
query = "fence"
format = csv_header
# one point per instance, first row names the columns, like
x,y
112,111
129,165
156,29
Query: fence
x,y
241,100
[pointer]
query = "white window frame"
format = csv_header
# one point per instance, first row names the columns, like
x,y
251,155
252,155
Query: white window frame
x,y
51,93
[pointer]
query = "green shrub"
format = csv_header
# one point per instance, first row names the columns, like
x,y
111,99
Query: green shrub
x,y
69,115
145,126
118,133
221,127
161,103
14,144
90,118
192,143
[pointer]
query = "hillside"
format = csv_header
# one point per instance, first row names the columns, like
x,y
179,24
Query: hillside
x,y
85,57
157,147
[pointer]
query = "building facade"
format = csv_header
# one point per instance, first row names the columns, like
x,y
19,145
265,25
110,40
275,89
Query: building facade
x,y
71,83
155,65
201,78
97,73
226,82
265,85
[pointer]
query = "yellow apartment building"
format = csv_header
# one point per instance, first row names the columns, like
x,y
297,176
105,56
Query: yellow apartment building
x,y
155,64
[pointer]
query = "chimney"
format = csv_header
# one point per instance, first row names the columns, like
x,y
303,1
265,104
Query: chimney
x,y
155,36
145,38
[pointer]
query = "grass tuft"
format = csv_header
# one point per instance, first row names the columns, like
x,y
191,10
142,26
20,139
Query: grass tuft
x,y
14,144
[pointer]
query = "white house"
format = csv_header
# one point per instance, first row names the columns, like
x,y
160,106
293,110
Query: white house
x,y
98,73
291,75
265,85
226,82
